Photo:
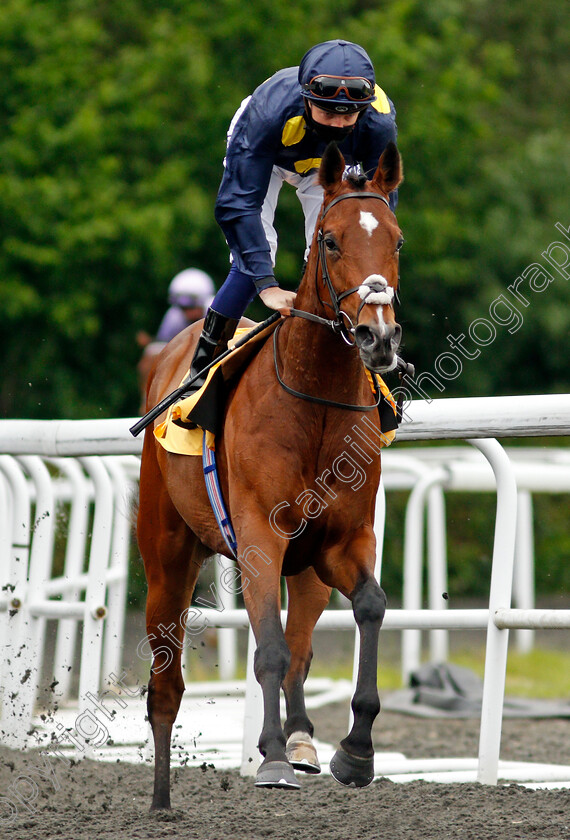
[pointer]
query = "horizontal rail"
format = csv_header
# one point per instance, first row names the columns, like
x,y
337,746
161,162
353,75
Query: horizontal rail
x,y
486,417
343,619
65,609
441,419
63,585
399,619
532,619
68,437
57,609
336,619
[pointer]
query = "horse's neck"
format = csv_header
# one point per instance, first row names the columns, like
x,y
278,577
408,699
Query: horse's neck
x,y
316,360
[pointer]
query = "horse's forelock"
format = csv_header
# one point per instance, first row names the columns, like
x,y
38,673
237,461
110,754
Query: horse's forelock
x,y
357,182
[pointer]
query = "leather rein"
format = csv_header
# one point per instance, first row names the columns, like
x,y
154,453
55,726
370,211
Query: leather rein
x,y
336,324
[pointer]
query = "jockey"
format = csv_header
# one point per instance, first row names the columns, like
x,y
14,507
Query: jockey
x,y
189,294
279,134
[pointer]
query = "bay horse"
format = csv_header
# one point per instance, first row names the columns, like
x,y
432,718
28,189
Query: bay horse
x,y
276,450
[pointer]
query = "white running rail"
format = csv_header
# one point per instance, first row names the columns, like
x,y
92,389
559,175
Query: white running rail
x,y
476,420
93,494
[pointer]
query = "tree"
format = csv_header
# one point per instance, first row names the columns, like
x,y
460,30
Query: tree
x,y
112,148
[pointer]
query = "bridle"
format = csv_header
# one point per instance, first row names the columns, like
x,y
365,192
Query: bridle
x,y
338,323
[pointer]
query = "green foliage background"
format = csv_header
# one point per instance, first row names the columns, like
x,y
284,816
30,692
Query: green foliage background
x,y
112,140
111,145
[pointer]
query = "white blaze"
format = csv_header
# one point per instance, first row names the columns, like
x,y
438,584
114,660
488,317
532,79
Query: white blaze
x,y
368,222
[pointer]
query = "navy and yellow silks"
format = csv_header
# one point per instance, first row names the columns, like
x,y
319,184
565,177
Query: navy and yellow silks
x,y
270,131
206,404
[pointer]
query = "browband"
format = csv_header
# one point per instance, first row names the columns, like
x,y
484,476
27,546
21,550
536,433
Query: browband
x,y
353,195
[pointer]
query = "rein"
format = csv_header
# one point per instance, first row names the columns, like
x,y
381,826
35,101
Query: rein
x,y
336,324
322,400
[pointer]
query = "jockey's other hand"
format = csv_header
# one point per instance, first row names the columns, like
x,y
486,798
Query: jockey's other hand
x,y
277,298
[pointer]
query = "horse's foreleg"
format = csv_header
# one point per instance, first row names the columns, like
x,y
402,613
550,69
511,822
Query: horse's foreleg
x,y
308,597
271,662
353,763
349,567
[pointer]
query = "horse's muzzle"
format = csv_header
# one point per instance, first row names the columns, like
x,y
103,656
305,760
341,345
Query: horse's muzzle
x,y
378,345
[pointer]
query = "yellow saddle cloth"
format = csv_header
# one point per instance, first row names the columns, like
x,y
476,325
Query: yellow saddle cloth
x,y
183,441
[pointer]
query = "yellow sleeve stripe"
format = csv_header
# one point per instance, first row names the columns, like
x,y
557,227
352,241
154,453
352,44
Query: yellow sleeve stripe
x,y
293,131
381,104
304,166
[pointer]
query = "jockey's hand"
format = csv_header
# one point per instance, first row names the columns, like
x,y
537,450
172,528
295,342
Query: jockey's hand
x,y
276,298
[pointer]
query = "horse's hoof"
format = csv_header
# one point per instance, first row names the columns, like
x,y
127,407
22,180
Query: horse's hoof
x,y
301,753
277,774
352,771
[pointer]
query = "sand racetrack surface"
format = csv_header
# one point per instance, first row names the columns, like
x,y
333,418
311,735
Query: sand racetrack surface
x,y
99,800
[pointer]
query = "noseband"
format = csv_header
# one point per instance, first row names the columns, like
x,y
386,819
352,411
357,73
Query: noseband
x,y
337,324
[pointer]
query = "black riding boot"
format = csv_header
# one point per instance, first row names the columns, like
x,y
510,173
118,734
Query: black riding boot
x,y
216,332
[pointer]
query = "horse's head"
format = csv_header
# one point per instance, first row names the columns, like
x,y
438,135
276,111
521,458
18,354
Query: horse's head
x,y
358,246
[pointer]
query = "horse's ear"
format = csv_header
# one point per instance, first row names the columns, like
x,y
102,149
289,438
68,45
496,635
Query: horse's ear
x,y
332,168
390,171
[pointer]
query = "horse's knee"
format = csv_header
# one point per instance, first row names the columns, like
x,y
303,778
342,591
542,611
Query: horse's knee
x,y
369,603
271,657
297,673
164,696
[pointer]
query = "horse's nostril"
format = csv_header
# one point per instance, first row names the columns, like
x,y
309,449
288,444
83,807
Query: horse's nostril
x,y
375,341
365,338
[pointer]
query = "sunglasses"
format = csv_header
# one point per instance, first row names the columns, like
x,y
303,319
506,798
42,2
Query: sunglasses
x,y
328,87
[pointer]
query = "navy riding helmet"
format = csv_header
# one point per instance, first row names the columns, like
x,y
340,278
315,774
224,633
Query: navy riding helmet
x,y
337,76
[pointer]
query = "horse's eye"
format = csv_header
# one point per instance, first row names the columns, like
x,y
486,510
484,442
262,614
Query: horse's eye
x,y
399,244
330,243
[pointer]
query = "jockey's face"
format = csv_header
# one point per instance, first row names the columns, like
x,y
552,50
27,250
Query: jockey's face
x,y
331,119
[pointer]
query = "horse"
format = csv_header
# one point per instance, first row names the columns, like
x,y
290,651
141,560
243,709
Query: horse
x,y
293,513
